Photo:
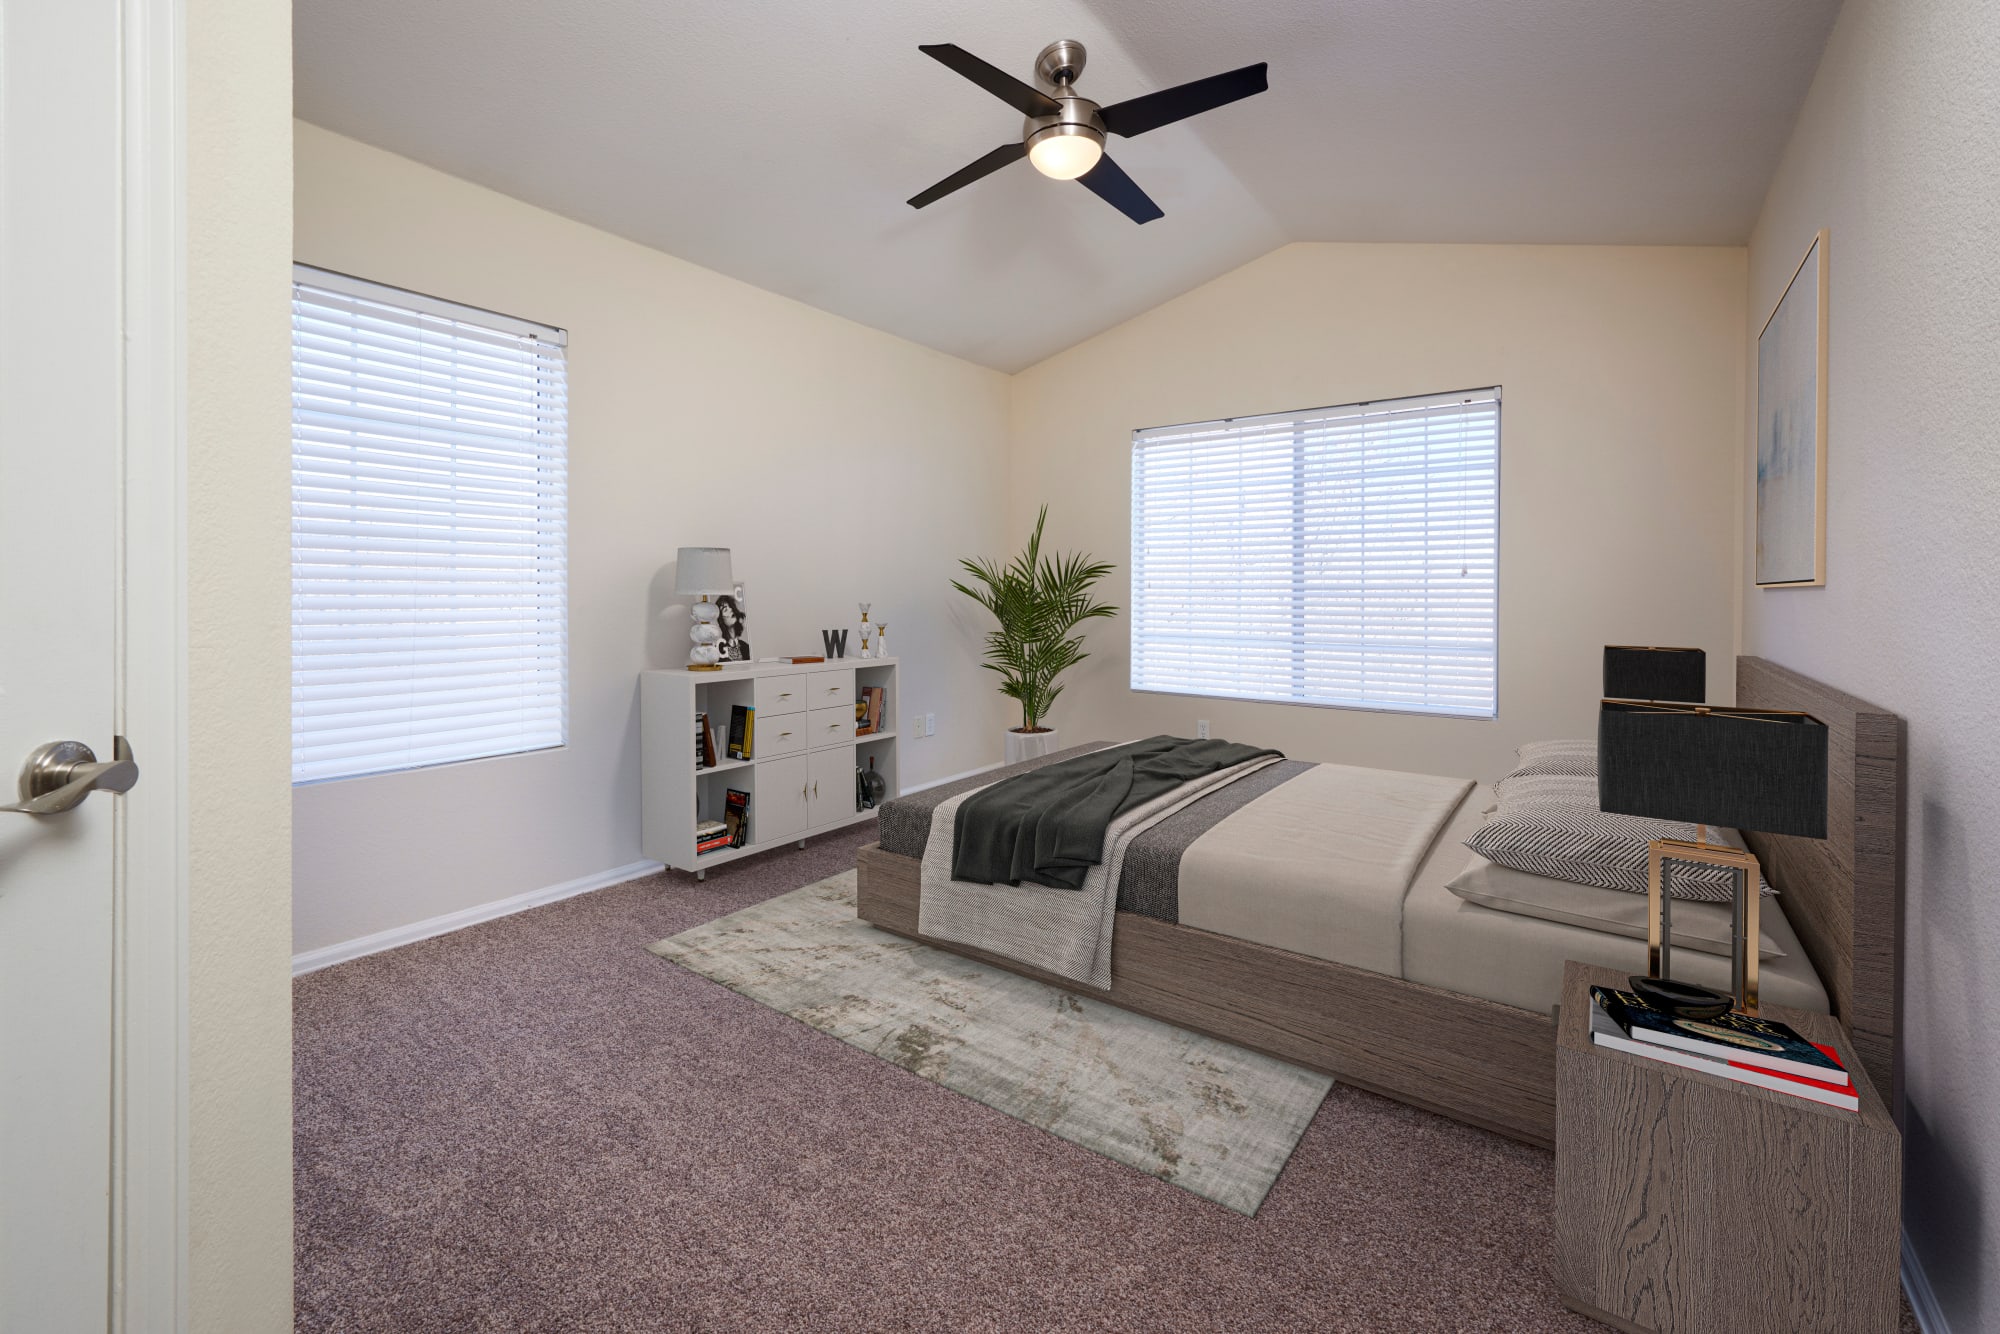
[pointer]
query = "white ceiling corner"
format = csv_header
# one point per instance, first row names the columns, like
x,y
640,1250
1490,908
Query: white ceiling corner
x,y
776,142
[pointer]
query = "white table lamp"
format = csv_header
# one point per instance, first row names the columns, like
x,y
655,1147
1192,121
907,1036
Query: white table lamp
x,y
698,572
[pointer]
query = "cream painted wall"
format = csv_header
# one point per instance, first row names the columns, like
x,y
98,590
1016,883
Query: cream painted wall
x,y
838,463
1622,378
1897,153
239,207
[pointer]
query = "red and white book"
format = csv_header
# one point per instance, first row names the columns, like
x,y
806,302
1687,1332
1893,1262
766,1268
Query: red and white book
x,y
1604,1031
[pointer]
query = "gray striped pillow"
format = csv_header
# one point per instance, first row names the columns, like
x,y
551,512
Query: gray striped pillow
x,y
1550,825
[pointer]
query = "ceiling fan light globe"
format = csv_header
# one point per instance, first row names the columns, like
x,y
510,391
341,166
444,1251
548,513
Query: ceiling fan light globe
x,y
1064,157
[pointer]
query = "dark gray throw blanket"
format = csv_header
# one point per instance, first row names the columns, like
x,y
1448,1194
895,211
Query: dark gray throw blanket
x,y
1047,827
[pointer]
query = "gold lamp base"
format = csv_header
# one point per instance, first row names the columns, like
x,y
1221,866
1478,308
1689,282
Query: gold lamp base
x,y
1744,935
704,666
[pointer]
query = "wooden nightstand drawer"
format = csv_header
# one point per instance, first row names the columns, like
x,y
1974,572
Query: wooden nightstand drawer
x,y
1686,1201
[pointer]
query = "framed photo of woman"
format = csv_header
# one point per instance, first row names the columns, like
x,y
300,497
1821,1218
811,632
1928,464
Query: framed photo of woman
x,y
730,619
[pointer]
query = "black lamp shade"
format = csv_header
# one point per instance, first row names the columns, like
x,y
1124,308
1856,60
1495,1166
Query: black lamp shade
x,y
1733,767
1678,674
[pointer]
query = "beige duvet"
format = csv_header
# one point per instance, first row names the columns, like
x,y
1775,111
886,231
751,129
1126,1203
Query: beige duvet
x,y
1325,852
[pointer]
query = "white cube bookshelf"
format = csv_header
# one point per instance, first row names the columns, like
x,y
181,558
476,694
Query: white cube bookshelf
x,y
804,752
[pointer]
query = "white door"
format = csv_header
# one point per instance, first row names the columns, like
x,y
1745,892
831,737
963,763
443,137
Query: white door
x,y
60,424
830,792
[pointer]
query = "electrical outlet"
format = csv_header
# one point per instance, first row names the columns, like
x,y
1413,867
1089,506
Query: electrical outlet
x,y
916,724
930,724
1201,728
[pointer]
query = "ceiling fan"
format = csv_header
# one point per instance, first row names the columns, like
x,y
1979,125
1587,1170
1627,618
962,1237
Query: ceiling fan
x,y
1064,134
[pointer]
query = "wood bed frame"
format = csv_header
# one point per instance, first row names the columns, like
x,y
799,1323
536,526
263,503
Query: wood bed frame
x,y
1475,1060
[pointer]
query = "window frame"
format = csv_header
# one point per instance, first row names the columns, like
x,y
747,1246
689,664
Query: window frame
x,y
407,301
1296,415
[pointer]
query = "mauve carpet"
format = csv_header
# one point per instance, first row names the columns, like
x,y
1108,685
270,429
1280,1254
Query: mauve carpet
x,y
533,1124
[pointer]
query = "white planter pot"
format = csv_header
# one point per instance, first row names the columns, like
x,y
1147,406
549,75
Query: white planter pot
x,y
1029,745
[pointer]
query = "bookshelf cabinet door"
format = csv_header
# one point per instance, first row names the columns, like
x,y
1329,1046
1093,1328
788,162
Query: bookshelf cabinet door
x,y
783,787
831,793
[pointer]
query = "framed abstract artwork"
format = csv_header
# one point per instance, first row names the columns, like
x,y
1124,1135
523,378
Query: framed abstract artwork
x,y
1791,431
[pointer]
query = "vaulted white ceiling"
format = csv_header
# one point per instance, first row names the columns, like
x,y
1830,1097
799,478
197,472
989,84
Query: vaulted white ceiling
x,y
776,140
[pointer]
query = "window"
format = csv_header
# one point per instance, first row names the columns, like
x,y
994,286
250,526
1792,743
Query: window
x,y
1343,556
429,547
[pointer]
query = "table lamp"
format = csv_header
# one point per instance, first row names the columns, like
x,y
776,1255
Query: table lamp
x,y
699,571
1633,672
1761,770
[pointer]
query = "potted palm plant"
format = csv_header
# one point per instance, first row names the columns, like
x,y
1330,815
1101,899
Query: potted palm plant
x,y
1038,601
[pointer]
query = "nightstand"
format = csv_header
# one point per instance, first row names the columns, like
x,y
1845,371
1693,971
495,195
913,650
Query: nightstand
x,y
1685,1201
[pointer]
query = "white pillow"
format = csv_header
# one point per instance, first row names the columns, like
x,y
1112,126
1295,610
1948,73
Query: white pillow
x,y
1573,759
1696,926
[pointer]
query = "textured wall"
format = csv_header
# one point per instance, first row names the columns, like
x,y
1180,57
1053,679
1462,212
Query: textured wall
x,y
1897,153
1621,370
838,463
239,221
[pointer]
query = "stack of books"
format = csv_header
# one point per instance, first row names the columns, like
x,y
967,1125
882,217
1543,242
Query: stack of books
x,y
1744,1047
710,835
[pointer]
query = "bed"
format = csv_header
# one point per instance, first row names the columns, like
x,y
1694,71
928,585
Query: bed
x,y
1443,1003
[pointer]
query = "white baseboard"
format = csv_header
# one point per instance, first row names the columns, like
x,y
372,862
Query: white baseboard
x,y
314,960
953,778
1917,1285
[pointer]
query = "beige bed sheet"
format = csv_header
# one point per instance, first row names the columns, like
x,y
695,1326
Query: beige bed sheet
x,y
1518,961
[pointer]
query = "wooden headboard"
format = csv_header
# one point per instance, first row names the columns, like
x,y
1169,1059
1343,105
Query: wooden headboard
x,y
1844,894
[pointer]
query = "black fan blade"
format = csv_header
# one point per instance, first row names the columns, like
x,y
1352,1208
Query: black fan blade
x,y
971,172
1023,97
1150,112
1108,181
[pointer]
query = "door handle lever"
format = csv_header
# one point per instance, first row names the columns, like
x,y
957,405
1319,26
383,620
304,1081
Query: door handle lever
x,y
58,776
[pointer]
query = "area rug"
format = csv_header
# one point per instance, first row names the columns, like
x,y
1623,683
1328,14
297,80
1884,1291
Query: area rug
x,y
1205,1115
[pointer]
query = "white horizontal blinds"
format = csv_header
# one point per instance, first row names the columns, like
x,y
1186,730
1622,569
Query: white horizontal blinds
x,y
1341,556
429,545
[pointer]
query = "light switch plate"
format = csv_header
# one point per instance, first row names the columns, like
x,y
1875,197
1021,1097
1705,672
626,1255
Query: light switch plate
x,y
930,724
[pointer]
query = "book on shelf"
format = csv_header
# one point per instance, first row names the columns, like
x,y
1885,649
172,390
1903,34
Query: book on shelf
x,y
1751,1039
709,829
742,731
868,709
704,742
1605,1032
736,817
715,844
